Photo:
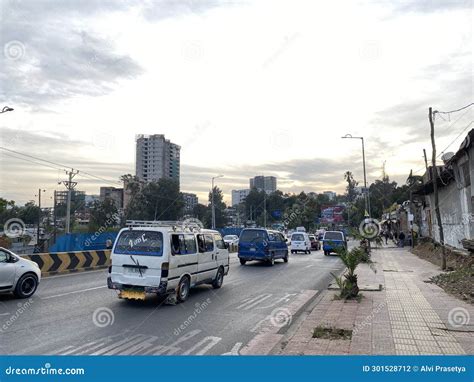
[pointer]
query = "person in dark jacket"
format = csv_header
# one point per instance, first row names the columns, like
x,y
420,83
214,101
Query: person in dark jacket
x,y
401,239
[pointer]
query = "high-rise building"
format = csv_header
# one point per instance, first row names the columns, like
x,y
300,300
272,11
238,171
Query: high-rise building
x,y
190,201
156,158
113,193
264,183
238,196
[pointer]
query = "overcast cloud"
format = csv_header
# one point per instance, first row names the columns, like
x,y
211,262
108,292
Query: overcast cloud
x,y
245,87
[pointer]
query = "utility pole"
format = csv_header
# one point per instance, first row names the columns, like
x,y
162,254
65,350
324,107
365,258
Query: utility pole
x,y
54,216
264,209
434,177
70,185
39,217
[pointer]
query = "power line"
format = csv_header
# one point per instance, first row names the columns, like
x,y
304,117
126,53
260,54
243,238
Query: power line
x,y
61,166
453,111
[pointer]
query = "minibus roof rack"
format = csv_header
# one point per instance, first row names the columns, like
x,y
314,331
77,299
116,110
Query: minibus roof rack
x,y
174,224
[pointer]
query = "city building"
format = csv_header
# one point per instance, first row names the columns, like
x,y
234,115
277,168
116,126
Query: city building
x,y
113,193
264,183
330,194
238,196
156,158
190,201
78,197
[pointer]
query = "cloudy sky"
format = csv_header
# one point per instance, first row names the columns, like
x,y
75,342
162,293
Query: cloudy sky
x,y
245,87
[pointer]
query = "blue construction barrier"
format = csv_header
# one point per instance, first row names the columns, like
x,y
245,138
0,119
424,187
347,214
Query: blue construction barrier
x,y
230,231
72,242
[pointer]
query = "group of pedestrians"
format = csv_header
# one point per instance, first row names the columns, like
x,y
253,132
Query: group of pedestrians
x,y
399,238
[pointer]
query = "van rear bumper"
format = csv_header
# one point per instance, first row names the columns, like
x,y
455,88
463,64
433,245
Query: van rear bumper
x,y
249,256
161,289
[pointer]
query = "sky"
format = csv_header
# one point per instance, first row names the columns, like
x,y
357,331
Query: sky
x,y
244,87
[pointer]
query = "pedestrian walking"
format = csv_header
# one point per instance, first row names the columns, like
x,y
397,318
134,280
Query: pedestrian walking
x,y
401,239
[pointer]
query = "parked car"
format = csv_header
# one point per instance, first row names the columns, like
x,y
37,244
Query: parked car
x,y
262,245
333,240
231,239
164,259
315,244
300,242
18,275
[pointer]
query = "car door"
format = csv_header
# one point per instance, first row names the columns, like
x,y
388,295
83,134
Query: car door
x,y
7,271
184,256
207,264
222,253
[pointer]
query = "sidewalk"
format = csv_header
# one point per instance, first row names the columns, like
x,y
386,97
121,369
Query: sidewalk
x,y
408,316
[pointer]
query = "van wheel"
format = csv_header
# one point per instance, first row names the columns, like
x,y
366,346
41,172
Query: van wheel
x,y
217,283
26,286
242,261
326,253
183,289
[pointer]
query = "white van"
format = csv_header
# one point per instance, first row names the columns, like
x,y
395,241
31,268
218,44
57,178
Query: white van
x,y
163,258
300,242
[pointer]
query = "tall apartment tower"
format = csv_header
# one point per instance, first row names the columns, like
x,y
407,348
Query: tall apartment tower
x,y
156,158
264,183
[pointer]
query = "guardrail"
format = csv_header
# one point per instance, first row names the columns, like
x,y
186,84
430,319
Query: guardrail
x,y
69,262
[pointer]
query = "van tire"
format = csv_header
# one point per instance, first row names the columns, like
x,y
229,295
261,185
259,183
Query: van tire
x,y
217,283
182,293
242,261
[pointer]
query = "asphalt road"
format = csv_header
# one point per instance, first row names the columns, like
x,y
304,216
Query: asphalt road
x,y
77,314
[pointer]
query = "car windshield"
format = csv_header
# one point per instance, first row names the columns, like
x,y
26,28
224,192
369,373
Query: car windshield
x,y
230,237
333,236
149,243
253,235
297,237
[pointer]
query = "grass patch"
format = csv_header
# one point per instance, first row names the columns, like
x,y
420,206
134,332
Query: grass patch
x,y
332,333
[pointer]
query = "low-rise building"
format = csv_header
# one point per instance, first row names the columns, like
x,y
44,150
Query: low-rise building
x,y
456,197
113,193
238,196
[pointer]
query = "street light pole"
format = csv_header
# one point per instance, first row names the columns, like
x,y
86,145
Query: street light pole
x,y
213,210
39,217
366,190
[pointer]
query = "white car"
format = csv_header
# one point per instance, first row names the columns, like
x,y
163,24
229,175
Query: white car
x,y
300,242
231,239
164,259
18,275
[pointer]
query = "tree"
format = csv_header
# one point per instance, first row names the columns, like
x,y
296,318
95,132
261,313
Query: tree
x,y
29,213
200,211
219,207
159,200
103,214
351,185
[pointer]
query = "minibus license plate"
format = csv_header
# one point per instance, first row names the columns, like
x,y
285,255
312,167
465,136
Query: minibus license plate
x,y
136,271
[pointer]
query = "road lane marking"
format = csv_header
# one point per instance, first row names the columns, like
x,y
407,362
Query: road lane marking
x,y
235,349
212,341
251,302
73,292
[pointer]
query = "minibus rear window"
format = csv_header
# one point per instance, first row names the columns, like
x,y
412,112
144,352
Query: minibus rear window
x,y
148,243
333,236
253,236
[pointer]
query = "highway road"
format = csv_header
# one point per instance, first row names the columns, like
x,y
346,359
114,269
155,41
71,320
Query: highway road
x,y
77,314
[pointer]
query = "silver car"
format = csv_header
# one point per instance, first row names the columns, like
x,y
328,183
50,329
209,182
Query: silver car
x,y
18,275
